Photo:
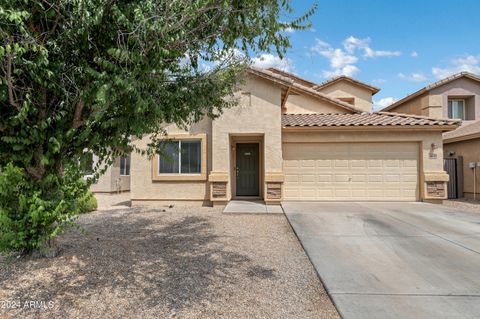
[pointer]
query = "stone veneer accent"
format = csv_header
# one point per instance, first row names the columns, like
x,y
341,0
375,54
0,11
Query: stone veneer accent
x,y
436,189
219,189
274,190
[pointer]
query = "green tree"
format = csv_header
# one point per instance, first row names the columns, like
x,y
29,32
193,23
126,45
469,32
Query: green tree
x,y
80,75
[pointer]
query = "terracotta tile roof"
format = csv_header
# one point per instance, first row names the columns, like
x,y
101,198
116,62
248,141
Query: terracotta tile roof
x,y
289,82
432,86
331,81
362,119
465,132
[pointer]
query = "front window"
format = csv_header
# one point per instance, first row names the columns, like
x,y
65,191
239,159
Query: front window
x,y
125,165
181,157
456,109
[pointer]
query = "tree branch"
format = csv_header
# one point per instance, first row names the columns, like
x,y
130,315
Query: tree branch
x,y
11,97
77,117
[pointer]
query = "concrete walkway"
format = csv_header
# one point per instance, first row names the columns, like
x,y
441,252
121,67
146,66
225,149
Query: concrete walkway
x,y
393,260
251,207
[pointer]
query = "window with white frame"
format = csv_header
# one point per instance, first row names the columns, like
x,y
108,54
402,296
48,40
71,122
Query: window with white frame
x,y
125,165
456,109
181,157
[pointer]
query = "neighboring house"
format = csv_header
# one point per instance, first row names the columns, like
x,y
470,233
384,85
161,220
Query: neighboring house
x,y
455,97
115,179
291,139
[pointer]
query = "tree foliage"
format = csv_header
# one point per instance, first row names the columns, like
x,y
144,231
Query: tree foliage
x,y
90,75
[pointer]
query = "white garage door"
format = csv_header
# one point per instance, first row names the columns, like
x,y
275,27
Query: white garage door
x,y
351,171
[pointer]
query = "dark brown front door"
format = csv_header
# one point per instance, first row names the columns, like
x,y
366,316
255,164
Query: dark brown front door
x,y
248,169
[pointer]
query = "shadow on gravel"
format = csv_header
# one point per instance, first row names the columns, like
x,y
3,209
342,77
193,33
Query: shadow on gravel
x,y
124,203
139,258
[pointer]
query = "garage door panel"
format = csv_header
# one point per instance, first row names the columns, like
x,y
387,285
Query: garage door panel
x,y
324,163
359,178
324,178
355,171
291,178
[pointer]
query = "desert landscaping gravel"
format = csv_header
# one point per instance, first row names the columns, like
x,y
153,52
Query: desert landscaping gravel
x,y
169,263
464,204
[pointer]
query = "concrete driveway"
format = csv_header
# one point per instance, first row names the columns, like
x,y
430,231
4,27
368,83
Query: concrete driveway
x,y
393,260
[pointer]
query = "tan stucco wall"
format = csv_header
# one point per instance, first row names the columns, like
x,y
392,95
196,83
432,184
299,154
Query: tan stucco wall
x,y
297,104
144,189
363,97
470,150
435,102
258,113
111,181
104,182
427,165
416,106
459,88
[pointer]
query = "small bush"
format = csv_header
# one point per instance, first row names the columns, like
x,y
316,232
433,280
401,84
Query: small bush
x,y
32,213
88,203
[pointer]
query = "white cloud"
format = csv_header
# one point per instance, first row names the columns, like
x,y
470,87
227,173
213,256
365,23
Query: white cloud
x,y
268,60
414,54
338,58
343,60
289,30
383,103
348,70
351,44
369,53
414,77
467,63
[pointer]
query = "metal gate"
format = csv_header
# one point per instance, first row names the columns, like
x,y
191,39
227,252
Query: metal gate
x,y
450,166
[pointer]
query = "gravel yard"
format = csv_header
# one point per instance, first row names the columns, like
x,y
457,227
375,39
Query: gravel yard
x,y
178,263
464,203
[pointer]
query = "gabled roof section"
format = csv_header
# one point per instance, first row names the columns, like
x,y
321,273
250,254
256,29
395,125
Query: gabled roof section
x,y
465,132
379,119
290,83
429,87
340,78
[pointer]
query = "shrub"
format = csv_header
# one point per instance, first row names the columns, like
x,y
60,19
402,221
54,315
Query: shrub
x,y
88,203
31,215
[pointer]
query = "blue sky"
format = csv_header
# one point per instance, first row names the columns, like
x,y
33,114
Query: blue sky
x,y
398,46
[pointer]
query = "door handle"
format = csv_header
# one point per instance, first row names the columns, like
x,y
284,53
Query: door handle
x,y
236,170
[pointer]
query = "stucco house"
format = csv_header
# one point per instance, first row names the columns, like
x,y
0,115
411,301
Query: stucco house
x,y
292,139
455,97
115,179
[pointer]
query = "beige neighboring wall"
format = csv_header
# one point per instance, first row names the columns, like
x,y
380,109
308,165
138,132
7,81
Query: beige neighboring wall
x,y
344,89
470,150
104,183
430,169
258,114
459,88
111,181
144,189
434,102
297,104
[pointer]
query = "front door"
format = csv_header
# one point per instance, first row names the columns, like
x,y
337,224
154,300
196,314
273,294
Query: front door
x,y
248,169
